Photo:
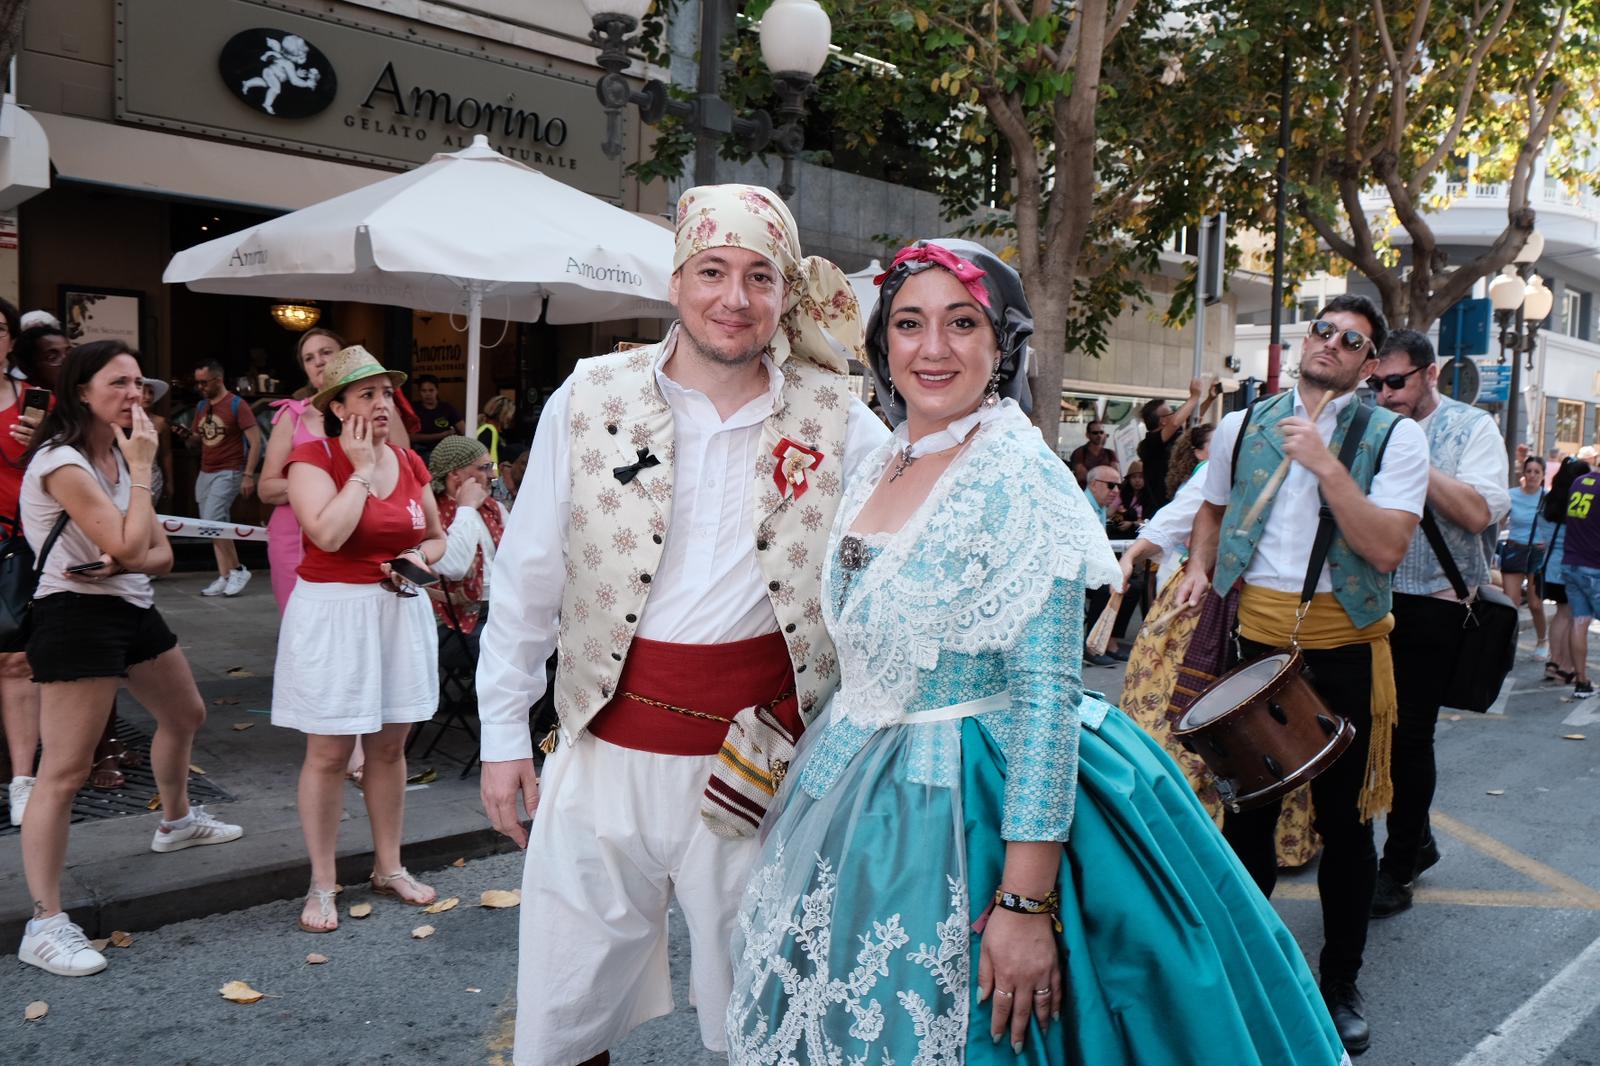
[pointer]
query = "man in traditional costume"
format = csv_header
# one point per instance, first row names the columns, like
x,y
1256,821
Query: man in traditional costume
x,y
1242,533
1467,494
667,544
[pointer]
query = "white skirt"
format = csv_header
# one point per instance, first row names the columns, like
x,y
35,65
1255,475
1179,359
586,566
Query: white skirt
x,y
354,658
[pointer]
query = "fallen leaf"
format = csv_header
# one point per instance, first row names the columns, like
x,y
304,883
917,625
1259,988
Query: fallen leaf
x,y
471,989
315,959
440,906
360,910
240,727
426,777
154,804
225,701
239,992
1455,718
1574,736
120,939
239,671
1497,792
422,932
499,897
100,945
459,863
36,1010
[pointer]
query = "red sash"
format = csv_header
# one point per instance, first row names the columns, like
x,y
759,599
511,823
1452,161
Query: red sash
x,y
714,680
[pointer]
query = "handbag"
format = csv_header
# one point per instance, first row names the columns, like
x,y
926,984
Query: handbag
x,y
1488,647
19,578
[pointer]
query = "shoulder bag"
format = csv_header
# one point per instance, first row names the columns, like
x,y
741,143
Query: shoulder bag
x,y
19,578
1488,646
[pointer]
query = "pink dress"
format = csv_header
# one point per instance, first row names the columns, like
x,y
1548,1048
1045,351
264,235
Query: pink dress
x,y
285,545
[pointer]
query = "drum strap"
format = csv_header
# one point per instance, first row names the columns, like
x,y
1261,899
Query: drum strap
x,y
1324,539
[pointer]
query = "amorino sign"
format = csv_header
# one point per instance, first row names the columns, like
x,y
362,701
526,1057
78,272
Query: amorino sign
x,y
265,73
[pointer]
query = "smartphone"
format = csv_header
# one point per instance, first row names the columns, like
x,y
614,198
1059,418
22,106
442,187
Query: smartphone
x,y
36,400
180,430
86,568
412,572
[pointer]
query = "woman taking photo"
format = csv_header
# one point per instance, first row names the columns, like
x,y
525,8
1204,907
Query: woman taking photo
x,y
1522,554
974,858
95,626
296,423
357,650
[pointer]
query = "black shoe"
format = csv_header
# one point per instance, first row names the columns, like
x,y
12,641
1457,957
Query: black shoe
x,y
1345,1004
1099,660
1121,654
1391,897
1427,855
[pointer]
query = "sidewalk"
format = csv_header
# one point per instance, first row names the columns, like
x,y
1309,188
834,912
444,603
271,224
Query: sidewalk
x,y
114,881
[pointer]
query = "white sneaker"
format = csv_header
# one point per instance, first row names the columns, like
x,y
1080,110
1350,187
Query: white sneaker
x,y
216,588
202,829
1541,652
236,582
60,947
21,788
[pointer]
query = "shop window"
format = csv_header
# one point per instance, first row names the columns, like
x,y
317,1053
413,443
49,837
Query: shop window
x,y
1569,426
1572,313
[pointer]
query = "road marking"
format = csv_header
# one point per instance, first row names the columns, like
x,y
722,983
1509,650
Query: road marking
x,y
1463,897
1587,713
1536,1029
1551,878
505,1034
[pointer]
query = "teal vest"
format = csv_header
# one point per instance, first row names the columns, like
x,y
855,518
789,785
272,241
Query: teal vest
x,y
1361,590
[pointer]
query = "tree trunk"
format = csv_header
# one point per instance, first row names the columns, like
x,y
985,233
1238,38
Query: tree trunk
x,y
11,16
1049,365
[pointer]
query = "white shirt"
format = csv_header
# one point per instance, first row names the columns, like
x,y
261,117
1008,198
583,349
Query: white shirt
x,y
1284,550
40,511
1483,467
467,535
708,589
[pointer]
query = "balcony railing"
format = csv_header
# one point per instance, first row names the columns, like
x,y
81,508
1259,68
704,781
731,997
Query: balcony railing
x,y
1547,192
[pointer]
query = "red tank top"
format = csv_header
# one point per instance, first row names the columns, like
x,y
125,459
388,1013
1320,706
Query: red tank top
x,y
388,526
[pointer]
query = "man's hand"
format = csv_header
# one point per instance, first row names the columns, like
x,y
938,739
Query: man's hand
x,y
1303,444
1193,587
498,786
247,487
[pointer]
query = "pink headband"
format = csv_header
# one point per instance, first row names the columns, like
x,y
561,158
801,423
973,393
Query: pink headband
x,y
967,273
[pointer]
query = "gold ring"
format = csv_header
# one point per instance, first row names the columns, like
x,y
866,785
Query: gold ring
x,y
1041,991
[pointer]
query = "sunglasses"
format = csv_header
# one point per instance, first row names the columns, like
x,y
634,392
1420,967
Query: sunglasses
x,y
1108,484
1352,340
1392,381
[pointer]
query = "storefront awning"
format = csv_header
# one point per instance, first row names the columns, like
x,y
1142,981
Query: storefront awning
x,y
150,162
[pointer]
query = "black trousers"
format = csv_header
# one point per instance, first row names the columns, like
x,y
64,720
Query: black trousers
x,y
1348,871
1426,640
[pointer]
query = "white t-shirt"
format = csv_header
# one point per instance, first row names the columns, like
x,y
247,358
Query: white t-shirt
x,y
39,514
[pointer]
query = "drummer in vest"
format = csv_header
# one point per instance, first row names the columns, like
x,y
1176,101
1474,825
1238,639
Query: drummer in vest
x,y
1467,494
667,544
1374,507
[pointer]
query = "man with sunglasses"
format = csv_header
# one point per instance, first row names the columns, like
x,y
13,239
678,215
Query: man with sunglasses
x,y
1092,453
1373,505
1467,495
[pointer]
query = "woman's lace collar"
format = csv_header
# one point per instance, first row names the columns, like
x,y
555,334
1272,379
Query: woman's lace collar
x,y
955,433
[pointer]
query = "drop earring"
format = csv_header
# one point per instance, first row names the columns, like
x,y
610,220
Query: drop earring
x,y
992,396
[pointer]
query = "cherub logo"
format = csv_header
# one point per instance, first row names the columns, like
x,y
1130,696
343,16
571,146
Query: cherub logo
x,y
280,74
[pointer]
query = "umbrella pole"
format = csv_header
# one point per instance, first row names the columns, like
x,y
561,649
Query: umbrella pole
x,y
474,335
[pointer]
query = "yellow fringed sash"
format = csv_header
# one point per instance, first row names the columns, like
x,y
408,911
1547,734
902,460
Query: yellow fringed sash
x,y
1267,617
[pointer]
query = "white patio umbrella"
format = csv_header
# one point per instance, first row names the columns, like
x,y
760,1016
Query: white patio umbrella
x,y
866,292
463,230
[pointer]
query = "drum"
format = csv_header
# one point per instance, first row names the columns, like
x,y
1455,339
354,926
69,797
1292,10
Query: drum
x,y
1263,731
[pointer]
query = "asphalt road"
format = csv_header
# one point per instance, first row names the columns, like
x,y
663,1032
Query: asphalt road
x,y
1505,935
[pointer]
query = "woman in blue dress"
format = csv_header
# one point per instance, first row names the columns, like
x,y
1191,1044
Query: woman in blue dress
x,y
974,860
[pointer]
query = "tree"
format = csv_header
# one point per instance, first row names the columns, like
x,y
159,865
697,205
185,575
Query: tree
x,y
12,12
1396,101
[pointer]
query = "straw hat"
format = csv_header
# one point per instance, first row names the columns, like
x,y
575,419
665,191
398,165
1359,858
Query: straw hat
x,y
350,365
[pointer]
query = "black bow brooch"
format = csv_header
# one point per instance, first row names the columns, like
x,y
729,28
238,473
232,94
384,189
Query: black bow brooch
x,y
627,473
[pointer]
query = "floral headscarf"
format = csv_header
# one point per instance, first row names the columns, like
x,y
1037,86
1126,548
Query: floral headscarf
x,y
821,321
992,282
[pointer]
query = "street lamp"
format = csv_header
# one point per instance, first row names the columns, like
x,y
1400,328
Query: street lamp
x,y
795,35
1520,308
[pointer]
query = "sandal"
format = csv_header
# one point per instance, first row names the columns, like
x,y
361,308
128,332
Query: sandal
x,y
354,777
383,885
105,776
325,910
1552,672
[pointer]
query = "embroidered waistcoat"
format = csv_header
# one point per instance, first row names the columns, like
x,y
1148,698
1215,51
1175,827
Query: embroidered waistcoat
x,y
1361,590
1420,574
616,531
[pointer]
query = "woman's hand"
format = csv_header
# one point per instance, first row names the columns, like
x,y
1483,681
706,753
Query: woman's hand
x,y
470,494
356,440
109,567
139,449
23,428
1019,967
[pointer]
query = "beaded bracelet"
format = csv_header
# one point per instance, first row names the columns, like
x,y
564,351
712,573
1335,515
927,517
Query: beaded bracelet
x,y
363,481
1010,901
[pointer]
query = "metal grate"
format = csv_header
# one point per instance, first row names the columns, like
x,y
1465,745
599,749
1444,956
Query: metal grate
x,y
134,796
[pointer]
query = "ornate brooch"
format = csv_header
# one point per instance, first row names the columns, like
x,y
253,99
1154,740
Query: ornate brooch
x,y
794,460
852,559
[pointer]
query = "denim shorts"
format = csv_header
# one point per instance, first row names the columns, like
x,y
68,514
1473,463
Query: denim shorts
x,y
1583,590
215,491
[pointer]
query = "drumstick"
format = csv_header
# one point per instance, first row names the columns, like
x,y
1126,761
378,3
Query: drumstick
x,y
1100,635
1270,489
1158,625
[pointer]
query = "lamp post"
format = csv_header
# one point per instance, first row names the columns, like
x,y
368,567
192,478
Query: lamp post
x,y
795,35
1520,308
